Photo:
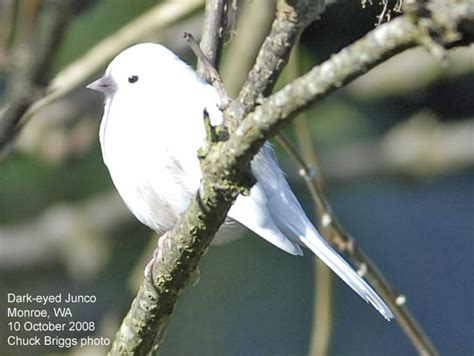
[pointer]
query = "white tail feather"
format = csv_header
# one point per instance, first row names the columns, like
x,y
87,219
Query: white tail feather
x,y
336,263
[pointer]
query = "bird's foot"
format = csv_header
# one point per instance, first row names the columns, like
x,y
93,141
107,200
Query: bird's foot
x,y
196,276
157,255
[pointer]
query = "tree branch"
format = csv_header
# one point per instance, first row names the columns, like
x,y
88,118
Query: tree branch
x,y
215,21
32,67
208,71
225,170
290,20
253,24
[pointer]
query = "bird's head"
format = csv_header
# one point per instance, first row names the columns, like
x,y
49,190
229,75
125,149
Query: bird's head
x,y
144,65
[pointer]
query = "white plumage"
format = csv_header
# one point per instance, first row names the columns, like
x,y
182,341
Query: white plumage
x,y
150,133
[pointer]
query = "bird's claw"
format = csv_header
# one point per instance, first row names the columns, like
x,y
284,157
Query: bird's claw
x,y
157,255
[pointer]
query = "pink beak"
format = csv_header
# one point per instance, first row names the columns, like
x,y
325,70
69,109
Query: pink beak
x,y
104,84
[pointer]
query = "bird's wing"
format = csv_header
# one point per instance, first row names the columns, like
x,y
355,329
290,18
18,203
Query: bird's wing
x,y
252,212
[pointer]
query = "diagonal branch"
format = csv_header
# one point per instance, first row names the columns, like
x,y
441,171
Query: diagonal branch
x,y
225,168
290,20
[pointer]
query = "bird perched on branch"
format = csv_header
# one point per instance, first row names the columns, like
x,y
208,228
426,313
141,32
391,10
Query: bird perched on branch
x,y
150,133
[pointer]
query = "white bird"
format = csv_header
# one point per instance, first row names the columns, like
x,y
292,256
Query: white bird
x,y
150,133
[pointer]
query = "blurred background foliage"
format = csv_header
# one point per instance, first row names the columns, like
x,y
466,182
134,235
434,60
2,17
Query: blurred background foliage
x,y
397,151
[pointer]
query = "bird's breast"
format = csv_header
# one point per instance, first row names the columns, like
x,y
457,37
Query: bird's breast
x,y
153,166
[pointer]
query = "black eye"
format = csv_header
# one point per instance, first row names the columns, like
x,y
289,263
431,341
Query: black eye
x,y
133,79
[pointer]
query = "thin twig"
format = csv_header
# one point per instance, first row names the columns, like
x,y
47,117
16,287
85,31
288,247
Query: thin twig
x,y
215,22
211,72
